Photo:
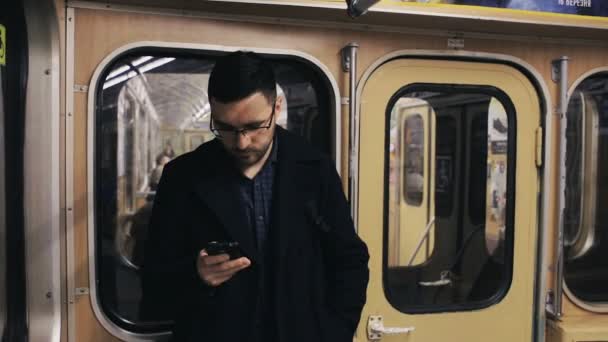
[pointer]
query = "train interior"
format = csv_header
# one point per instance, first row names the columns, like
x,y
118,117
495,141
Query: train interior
x,y
471,143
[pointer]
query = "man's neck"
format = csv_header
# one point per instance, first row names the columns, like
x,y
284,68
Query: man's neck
x,y
252,170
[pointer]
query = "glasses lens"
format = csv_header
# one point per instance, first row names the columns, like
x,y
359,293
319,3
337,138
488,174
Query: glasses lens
x,y
247,132
229,133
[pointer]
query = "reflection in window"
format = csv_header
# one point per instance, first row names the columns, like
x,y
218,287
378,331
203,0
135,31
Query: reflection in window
x,y
585,223
413,157
444,166
409,120
447,248
495,147
153,108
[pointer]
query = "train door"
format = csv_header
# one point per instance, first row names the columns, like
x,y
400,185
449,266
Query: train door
x,y
449,148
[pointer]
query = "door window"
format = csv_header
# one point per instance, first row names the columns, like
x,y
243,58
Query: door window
x,y
450,149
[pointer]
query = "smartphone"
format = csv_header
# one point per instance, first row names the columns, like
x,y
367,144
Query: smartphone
x,y
224,247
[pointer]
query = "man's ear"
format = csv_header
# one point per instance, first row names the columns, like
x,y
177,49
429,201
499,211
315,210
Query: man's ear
x,y
278,104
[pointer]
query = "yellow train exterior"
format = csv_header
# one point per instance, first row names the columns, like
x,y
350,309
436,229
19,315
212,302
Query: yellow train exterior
x,y
471,143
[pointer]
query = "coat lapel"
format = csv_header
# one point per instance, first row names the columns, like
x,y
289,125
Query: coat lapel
x,y
292,186
294,178
285,203
220,194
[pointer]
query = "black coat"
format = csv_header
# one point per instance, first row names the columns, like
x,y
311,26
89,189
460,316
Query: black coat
x,y
320,265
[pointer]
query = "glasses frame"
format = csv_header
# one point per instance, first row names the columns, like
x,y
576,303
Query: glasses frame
x,y
223,133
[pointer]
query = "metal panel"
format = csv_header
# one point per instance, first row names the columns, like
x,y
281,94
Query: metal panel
x,y
41,173
2,216
69,171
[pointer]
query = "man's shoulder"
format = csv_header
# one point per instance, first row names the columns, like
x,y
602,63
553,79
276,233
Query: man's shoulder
x,y
295,147
194,161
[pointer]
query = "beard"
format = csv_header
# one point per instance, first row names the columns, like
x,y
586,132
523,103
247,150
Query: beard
x,y
249,156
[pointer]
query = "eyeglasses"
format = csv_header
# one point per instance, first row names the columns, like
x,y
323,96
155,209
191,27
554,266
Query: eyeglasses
x,y
227,133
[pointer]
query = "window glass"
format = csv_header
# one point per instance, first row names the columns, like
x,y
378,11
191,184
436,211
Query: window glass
x,y
585,223
409,120
447,250
444,165
413,158
494,146
152,107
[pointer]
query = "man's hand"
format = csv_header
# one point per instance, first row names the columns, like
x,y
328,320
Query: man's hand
x,y
214,270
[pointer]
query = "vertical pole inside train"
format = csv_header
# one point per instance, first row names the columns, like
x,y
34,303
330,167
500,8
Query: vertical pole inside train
x,y
349,64
560,75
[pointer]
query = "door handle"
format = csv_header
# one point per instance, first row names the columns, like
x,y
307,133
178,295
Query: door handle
x,y
376,329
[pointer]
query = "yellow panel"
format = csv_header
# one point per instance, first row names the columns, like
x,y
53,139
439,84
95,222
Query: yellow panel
x,y
510,319
578,329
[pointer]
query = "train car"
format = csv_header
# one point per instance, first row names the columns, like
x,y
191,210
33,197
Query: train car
x,y
470,137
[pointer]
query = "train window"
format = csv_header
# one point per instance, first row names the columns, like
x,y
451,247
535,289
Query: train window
x,y
450,248
585,224
151,107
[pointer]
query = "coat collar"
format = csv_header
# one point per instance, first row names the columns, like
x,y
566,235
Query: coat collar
x,y
292,184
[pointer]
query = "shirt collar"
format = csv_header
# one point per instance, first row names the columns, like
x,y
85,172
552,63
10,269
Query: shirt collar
x,y
275,147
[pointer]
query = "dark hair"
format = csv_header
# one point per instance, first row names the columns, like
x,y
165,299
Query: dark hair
x,y
240,74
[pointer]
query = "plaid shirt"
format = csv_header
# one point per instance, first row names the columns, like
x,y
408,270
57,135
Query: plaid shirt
x,y
256,196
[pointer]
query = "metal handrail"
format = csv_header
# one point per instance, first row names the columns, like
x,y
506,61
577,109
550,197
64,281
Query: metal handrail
x,y
424,236
560,67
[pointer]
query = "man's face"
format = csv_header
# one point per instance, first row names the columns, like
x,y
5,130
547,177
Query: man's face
x,y
254,111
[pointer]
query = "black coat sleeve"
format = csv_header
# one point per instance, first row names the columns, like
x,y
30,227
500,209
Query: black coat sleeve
x,y
345,258
169,270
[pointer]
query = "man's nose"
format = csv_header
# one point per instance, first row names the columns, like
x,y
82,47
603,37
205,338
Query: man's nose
x,y
242,140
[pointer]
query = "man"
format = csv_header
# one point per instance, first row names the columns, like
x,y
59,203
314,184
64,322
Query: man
x,y
161,160
303,271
